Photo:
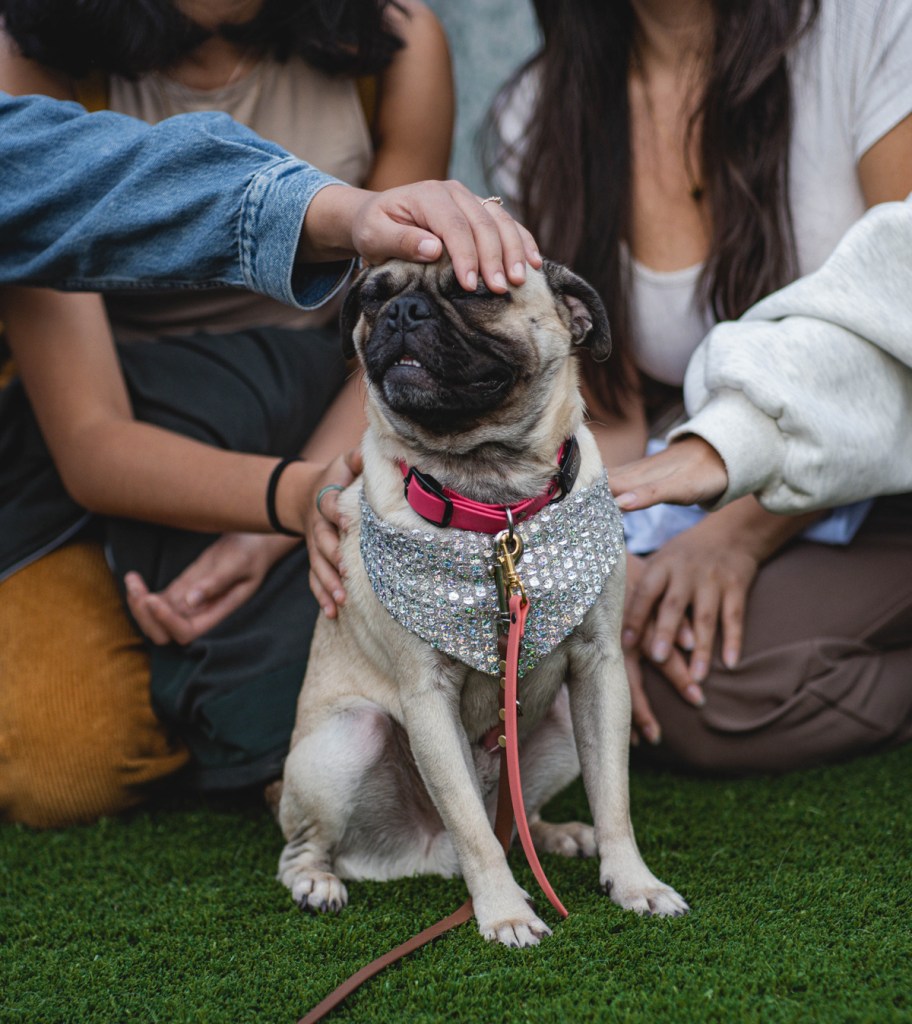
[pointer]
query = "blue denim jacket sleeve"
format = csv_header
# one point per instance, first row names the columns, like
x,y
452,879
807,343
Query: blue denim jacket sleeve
x,y
102,201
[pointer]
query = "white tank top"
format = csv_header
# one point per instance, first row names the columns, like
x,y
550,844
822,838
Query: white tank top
x,y
667,320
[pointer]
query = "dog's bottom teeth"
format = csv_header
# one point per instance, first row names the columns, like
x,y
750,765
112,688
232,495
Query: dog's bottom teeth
x,y
408,361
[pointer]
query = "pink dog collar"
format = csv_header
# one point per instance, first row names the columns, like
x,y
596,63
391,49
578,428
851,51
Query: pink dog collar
x,y
444,507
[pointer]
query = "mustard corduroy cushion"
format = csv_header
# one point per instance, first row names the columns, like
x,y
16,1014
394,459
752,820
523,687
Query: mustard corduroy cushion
x,y
78,737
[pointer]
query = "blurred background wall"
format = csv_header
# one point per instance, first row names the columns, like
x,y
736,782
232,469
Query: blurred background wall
x,y
488,40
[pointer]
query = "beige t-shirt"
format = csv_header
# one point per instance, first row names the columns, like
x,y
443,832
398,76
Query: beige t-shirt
x,y
316,117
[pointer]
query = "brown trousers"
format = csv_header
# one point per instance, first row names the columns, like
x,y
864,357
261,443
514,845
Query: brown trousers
x,y
826,670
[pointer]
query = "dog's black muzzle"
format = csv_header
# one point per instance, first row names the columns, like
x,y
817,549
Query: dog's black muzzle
x,y
433,371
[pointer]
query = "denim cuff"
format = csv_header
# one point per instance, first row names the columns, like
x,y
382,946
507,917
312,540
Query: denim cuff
x,y
272,215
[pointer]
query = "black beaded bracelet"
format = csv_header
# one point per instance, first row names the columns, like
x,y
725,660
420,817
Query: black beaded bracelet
x,y
271,489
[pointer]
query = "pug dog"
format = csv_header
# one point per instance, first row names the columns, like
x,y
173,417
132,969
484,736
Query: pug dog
x,y
475,423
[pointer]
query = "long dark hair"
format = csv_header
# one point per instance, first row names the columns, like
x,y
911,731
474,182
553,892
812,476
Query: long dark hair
x,y
349,37
574,166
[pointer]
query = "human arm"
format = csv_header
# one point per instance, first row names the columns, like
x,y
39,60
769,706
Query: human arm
x,y
111,463
83,194
415,102
340,430
688,472
808,397
845,328
823,366
226,575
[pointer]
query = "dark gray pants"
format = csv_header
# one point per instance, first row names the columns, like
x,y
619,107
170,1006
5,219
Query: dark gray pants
x,y
231,694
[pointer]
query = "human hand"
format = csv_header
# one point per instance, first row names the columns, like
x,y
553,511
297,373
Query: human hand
x,y
674,667
416,222
224,576
323,525
703,570
685,473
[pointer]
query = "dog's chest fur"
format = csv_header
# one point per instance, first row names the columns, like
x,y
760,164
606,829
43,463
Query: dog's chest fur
x,y
479,703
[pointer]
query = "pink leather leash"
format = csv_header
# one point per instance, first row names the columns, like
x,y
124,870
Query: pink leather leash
x,y
510,806
519,609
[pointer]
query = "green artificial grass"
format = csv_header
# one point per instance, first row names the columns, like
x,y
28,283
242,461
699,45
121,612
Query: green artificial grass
x,y
801,889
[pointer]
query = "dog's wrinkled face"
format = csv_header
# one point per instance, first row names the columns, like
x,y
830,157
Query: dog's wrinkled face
x,y
446,360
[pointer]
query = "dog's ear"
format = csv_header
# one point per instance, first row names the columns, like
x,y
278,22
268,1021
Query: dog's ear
x,y
350,315
588,319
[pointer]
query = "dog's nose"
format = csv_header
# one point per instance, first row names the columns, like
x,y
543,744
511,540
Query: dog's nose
x,y
408,311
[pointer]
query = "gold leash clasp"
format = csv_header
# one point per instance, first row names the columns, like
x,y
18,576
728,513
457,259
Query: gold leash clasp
x,y
509,551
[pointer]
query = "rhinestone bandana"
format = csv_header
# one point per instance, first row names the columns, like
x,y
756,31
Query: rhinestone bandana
x,y
440,587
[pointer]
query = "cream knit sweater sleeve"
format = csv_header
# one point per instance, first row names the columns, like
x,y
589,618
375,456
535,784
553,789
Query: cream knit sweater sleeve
x,y
808,397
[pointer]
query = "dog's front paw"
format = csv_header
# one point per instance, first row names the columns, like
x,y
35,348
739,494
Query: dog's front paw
x,y
650,898
519,934
318,891
569,838
514,925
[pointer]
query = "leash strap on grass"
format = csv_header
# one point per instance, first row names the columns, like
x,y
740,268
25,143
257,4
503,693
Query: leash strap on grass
x,y
460,916
503,829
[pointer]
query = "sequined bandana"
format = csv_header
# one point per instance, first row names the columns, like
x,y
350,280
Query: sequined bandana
x,y
439,586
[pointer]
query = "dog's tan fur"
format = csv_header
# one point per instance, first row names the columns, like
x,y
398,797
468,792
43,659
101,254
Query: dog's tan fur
x,y
386,776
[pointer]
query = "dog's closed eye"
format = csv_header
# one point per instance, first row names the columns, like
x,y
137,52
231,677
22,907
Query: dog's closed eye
x,y
377,289
482,294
